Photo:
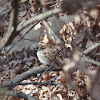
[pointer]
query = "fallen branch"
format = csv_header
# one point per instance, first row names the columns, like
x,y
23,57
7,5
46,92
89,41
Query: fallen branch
x,y
85,59
88,50
34,83
22,37
32,72
38,18
4,91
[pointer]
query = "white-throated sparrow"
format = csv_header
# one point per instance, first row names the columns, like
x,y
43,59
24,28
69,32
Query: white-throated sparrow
x,y
46,56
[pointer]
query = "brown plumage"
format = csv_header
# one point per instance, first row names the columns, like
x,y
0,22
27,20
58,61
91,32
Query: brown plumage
x,y
46,56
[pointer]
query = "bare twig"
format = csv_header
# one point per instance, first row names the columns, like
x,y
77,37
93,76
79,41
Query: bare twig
x,y
4,91
39,18
32,72
12,26
35,83
51,32
85,59
3,13
88,50
22,37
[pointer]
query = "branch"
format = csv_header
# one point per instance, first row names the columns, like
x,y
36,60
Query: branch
x,y
38,18
7,39
2,15
22,37
34,83
85,59
32,72
4,91
88,50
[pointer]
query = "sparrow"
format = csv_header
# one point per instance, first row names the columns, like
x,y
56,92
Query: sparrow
x,y
46,56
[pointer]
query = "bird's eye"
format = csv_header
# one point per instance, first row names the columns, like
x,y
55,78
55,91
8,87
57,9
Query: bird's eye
x,y
41,48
